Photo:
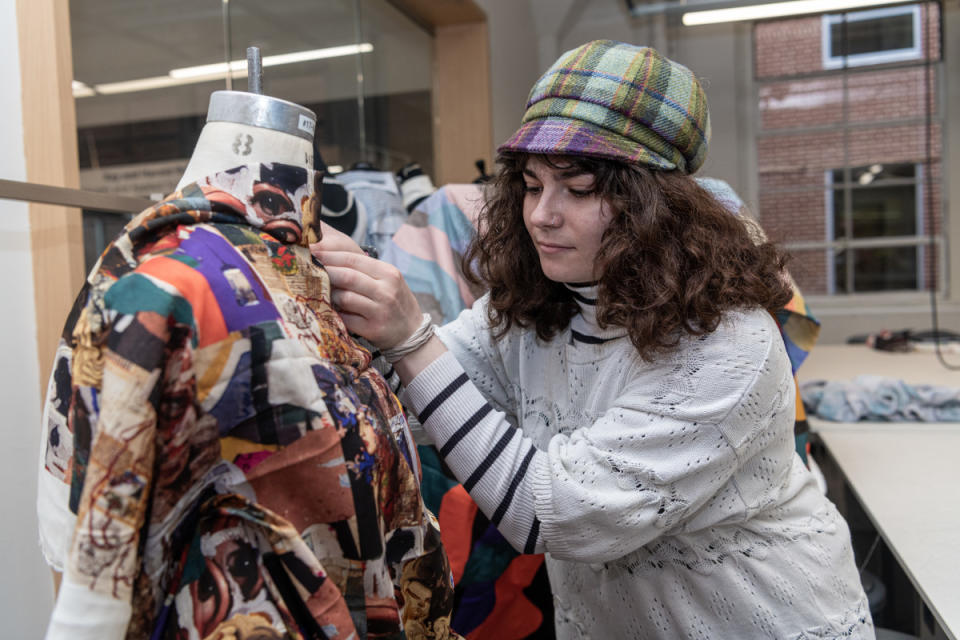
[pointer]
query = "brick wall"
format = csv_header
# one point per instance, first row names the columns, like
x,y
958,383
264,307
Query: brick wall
x,y
802,136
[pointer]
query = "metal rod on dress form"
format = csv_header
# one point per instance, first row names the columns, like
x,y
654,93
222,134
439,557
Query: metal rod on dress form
x,y
254,71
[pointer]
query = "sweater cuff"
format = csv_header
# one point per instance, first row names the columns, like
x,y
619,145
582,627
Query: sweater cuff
x,y
551,526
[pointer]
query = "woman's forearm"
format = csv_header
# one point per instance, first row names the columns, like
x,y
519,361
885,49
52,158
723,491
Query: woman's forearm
x,y
413,363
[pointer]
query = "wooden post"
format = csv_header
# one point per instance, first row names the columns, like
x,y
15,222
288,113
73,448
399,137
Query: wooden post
x,y
462,129
50,145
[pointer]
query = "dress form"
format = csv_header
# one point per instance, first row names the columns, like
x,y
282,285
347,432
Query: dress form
x,y
249,128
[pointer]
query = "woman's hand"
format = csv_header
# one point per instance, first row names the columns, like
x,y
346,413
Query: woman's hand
x,y
371,295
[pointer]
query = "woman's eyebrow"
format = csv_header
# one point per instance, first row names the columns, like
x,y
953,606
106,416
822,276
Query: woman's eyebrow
x,y
530,173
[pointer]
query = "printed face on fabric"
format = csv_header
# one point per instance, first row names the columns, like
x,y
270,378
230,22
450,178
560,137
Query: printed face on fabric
x,y
565,217
271,196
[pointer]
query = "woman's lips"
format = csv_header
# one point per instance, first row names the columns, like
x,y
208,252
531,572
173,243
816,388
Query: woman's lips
x,y
286,231
552,248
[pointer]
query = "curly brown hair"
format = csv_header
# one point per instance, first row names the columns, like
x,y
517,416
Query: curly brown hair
x,y
672,260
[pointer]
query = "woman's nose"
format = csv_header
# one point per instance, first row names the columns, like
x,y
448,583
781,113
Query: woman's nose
x,y
545,213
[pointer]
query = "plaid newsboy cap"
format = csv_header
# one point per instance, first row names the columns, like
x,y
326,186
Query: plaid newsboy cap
x,y
615,100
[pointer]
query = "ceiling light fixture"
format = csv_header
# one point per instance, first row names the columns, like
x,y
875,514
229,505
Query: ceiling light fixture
x,y
211,72
777,10
272,61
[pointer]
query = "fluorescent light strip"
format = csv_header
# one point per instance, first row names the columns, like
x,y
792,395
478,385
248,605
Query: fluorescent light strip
x,y
777,10
81,90
211,72
272,61
158,82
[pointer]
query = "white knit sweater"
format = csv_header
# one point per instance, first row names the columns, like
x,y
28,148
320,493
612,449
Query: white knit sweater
x,y
666,495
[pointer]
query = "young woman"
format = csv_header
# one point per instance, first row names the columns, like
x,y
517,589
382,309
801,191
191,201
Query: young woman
x,y
621,399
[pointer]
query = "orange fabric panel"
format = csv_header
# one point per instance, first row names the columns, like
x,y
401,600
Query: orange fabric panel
x,y
194,288
457,511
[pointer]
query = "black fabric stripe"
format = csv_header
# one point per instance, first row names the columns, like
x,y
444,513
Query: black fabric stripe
x,y
508,498
582,337
487,461
448,391
375,354
389,373
465,429
580,285
532,538
396,389
582,298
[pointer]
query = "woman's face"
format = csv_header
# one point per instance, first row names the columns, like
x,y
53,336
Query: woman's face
x,y
565,217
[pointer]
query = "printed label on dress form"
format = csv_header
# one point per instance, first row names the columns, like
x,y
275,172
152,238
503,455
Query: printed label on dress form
x,y
306,124
243,145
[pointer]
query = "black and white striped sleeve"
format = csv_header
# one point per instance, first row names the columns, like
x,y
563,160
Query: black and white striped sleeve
x,y
492,459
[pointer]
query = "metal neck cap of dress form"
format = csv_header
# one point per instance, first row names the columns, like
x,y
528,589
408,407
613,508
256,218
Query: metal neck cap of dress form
x,y
253,108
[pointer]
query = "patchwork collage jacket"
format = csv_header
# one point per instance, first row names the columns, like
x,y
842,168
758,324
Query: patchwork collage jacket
x,y
221,460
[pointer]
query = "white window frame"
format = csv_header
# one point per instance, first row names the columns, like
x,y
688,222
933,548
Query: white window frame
x,y
919,187
880,57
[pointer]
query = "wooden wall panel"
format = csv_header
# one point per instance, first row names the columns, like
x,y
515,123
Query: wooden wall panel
x,y
463,130
50,144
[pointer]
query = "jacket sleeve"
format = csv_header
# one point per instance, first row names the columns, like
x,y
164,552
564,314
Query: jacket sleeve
x,y
641,469
55,521
103,559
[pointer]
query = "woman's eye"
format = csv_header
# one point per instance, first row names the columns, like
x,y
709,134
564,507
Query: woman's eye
x,y
530,188
581,193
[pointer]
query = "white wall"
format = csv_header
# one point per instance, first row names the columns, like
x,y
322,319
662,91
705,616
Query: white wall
x,y
513,63
26,593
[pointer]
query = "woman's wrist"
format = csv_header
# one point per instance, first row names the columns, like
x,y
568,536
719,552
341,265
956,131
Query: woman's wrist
x,y
420,336
416,361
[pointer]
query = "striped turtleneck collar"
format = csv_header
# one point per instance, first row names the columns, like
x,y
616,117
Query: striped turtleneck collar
x,y
583,326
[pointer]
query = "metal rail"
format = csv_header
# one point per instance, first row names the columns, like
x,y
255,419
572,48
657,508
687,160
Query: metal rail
x,y
46,194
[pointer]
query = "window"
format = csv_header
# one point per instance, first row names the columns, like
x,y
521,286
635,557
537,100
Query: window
x,y
849,159
875,206
871,37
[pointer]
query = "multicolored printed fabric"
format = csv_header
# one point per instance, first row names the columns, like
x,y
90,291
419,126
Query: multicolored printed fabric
x,y
615,100
236,467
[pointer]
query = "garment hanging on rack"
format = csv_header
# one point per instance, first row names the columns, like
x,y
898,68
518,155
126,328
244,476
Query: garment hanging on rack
x,y
342,211
379,194
233,463
415,185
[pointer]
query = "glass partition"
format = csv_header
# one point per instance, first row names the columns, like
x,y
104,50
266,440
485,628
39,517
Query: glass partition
x,y
144,71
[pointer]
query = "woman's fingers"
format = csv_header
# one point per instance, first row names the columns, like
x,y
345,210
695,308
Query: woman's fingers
x,y
374,295
334,240
350,279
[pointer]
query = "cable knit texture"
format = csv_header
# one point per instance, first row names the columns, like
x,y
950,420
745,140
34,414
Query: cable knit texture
x,y
667,495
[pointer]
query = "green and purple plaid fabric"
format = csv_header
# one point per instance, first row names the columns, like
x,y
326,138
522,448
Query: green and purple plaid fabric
x,y
615,100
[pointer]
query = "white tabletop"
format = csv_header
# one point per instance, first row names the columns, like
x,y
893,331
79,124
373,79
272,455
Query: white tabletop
x,y
907,477
845,362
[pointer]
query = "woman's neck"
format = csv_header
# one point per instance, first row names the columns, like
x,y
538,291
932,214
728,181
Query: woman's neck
x,y
584,326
